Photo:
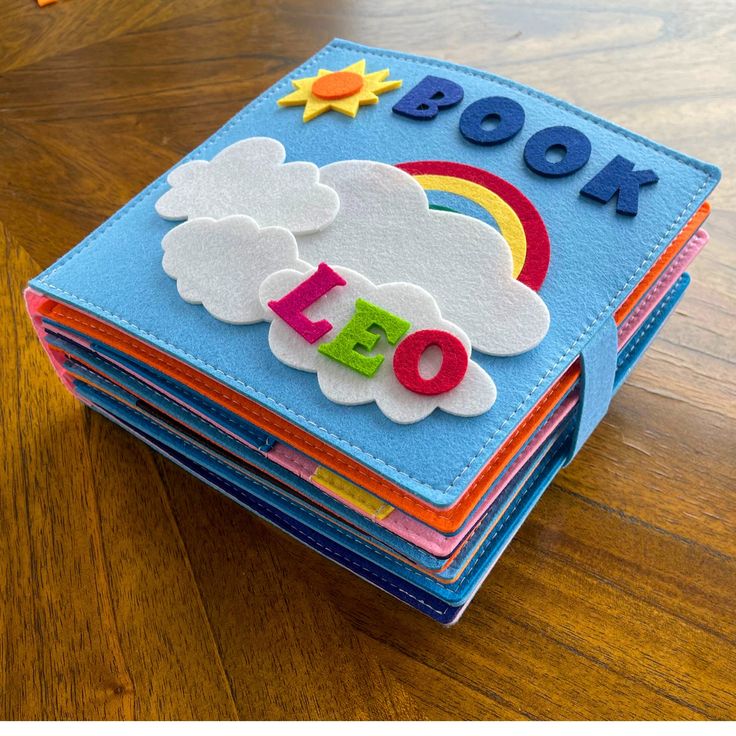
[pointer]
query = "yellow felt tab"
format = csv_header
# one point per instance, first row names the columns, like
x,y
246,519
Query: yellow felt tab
x,y
507,220
353,494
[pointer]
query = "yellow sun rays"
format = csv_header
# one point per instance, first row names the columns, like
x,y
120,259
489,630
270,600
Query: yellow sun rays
x,y
336,90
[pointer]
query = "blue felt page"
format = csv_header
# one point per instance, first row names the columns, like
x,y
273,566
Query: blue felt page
x,y
597,258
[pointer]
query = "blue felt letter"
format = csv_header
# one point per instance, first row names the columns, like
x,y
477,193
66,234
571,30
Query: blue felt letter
x,y
619,176
508,113
575,144
427,98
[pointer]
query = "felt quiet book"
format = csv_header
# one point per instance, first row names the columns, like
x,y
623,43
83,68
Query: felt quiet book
x,y
382,307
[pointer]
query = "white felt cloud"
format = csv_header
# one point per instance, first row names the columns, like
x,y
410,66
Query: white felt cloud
x,y
221,264
474,395
386,231
250,178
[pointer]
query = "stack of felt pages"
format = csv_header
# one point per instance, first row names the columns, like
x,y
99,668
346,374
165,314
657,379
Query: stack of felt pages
x,y
382,307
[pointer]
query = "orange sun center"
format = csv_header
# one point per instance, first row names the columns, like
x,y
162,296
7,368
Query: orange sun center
x,y
337,85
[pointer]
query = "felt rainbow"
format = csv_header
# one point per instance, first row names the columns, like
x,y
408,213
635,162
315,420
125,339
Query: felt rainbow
x,y
516,217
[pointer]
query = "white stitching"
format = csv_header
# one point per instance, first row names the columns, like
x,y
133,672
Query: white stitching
x,y
644,329
270,400
82,369
241,430
301,464
511,84
290,502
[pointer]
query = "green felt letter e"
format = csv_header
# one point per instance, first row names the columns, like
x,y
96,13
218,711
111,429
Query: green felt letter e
x,y
357,333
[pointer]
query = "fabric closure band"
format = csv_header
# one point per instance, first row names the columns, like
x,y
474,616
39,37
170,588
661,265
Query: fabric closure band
x,y
597,373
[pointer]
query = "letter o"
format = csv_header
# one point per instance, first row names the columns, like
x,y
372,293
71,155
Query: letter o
x,y
409,352
510,116
575,143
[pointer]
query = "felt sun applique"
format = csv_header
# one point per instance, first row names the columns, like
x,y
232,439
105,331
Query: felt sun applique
x,y
344,91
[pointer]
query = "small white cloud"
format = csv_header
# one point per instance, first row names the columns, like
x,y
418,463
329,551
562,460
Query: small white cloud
x,y
250,178
221,264
474,395
386,231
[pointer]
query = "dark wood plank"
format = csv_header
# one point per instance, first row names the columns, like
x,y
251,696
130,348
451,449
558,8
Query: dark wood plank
x,y
101,615
29,34
130,590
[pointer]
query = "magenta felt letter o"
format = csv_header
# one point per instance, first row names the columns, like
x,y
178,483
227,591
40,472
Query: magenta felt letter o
x,y
409,352
292,305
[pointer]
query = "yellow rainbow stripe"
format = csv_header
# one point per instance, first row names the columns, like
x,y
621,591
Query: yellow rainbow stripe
x,y
504,216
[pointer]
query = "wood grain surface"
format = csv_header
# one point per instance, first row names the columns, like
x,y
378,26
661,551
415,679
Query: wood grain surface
x,y
130,590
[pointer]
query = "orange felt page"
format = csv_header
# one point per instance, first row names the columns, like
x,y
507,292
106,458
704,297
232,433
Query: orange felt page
x,y
445,520
659,266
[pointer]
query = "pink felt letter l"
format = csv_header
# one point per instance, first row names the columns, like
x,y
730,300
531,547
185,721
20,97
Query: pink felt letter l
x,y
292,305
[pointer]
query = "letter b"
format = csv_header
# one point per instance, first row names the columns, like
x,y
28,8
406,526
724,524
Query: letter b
x,y
427,98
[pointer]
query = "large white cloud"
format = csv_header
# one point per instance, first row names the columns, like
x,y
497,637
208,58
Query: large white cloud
x,y
386,231
436,269
474,395
250,178
221,264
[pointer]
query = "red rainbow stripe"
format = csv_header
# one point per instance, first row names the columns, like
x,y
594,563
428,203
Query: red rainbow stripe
x,y
537,256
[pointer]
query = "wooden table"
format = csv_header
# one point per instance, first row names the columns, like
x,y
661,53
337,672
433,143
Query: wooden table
x,y
131,590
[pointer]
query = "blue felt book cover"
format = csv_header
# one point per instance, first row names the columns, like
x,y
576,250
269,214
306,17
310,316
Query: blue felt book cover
x,y
446,206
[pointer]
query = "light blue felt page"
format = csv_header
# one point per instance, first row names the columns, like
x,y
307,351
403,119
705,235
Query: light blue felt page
x,y
597,258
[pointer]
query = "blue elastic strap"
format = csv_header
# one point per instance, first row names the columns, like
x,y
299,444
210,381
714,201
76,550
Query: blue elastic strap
x,y
597,374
